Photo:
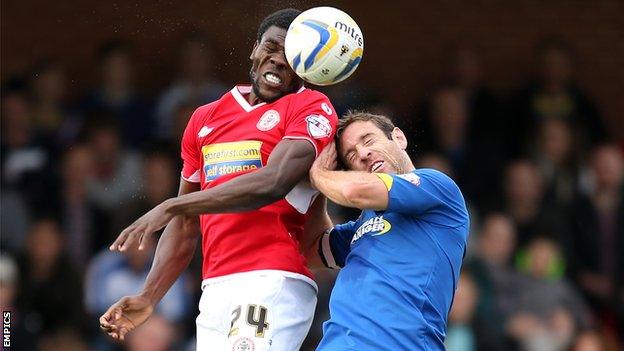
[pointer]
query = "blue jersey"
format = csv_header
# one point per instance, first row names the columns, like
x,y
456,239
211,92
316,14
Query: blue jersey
x,y
401,267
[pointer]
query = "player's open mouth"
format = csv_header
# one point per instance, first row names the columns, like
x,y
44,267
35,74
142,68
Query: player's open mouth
x,y
376,166
273,79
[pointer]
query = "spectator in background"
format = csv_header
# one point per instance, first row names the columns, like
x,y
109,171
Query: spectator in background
x,y
50,111
112,275
484,108
116,173
599,232
117,96
195,83
65,339
492,272
26,157
78,216
557,161
588,341
555,95
524,202
445,126
50,295
157,334
9,277
446,131
159,183
547,311
461,335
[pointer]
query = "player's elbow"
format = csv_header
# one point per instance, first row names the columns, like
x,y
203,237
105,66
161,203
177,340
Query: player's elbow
x,y
274,188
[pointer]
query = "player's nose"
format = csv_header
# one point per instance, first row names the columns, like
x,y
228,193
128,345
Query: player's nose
x,y
364,153
279,60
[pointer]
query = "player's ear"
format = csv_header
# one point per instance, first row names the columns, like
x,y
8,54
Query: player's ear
x,y
399,137
253,51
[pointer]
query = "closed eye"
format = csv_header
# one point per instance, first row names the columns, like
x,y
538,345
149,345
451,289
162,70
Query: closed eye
x,y
351,156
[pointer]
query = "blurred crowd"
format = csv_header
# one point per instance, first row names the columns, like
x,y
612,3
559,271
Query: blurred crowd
x,y
543,178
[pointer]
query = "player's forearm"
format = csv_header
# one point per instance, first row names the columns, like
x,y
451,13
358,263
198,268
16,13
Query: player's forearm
x,y
311,251
330,184
348,188
174,252
246,192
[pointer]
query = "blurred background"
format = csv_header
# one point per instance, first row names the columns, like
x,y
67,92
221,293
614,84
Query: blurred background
x,y
519,101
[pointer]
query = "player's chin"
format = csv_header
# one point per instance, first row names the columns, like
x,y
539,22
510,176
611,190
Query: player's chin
x,y
271,93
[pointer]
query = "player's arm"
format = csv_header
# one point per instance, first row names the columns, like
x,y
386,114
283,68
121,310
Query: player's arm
x,y
348,188
174,252
287,165
317,223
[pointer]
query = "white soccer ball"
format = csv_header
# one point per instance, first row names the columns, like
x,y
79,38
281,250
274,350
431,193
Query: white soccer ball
x,y
324,45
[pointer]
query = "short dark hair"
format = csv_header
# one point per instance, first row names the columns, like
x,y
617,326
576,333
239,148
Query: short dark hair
x,y
384,123
281,19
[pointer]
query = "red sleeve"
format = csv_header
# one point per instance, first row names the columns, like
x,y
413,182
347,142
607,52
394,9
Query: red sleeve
x,y
190,152
314,120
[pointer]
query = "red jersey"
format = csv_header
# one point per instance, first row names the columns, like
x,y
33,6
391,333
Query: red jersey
x,y
229,137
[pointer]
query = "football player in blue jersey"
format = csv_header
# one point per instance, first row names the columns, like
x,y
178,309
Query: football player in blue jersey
x,y
402,257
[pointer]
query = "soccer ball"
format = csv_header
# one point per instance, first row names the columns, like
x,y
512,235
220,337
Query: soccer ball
x,y
324,45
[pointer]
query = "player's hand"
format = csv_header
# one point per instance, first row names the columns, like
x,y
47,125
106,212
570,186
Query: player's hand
x,y
125,316
154,220
327,160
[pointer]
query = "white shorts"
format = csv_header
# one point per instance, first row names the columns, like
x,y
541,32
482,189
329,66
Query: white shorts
x,y
255,311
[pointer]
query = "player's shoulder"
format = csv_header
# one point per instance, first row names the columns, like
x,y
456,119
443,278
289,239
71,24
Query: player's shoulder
x,y
434,179
311,93
431,173
204,109
307,96
434,175
427,176
314,102
203,112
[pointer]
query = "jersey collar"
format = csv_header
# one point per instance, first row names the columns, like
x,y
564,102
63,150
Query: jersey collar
x,y
238,91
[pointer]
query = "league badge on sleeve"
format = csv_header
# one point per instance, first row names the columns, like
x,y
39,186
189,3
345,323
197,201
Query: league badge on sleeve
x,y
411,177
318,126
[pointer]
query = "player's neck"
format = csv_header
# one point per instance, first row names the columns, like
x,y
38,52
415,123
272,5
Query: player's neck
x,y
252,98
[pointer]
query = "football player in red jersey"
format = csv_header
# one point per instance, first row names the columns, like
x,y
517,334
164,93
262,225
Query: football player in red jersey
x,y
245,158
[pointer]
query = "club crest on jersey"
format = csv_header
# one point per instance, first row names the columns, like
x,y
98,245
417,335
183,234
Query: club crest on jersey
x,y
243,344
326,108
318,126
268,120
374,227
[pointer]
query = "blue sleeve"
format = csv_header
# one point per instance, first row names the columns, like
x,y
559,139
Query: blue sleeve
x,y
427,194
335,245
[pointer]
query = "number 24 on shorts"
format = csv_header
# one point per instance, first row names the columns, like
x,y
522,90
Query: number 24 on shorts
x,y
253,319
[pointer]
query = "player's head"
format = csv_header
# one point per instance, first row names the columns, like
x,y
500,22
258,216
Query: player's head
x,y
372,143
270,74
